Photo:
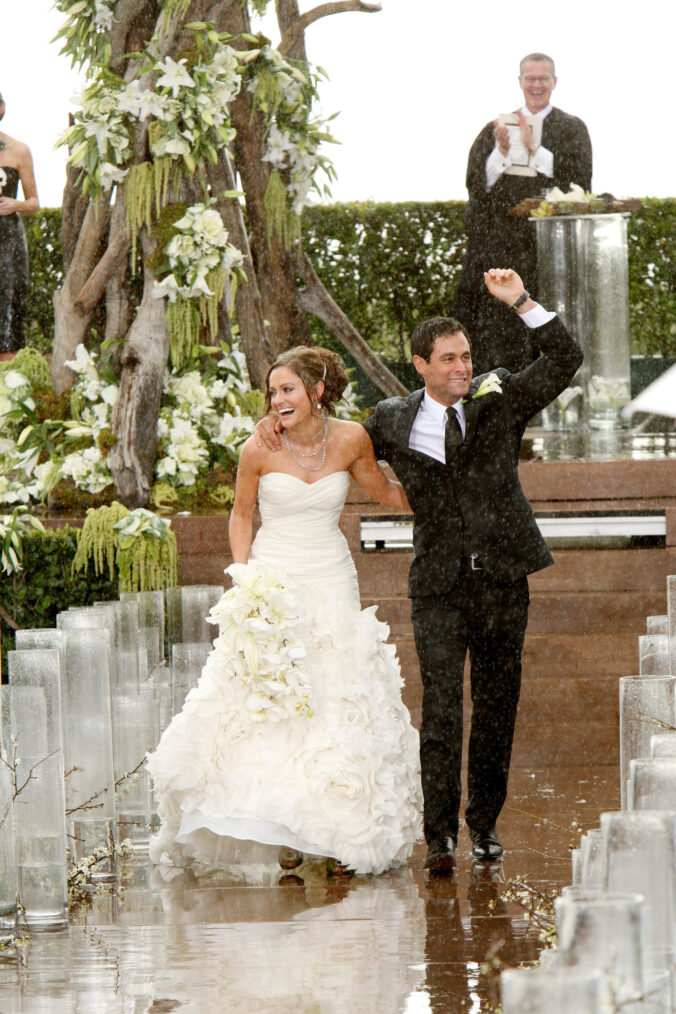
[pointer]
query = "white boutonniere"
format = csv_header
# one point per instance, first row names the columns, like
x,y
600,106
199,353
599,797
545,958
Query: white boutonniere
x,y
489,385
3,179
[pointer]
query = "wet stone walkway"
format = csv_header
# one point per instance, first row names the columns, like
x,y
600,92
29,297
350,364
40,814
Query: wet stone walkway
x,y
366,945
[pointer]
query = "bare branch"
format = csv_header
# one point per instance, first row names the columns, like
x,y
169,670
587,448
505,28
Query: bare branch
x,y
95,285
9,620
88,804
128,774
315,299
295,31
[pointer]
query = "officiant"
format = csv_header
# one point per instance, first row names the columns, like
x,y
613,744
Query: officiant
x,y
543,148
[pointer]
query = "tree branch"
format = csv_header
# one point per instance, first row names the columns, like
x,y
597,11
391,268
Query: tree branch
x,y
315,299
95,285
295,31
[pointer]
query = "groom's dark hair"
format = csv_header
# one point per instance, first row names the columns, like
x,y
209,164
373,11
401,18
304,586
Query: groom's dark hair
x,y
426,333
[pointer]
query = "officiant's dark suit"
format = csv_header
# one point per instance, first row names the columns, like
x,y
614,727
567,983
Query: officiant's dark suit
x,y
475,539
495,237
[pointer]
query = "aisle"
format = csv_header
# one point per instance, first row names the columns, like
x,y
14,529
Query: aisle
x,y
395,943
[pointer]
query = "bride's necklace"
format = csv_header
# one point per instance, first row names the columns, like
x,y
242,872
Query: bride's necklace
x,y
310,440
298,455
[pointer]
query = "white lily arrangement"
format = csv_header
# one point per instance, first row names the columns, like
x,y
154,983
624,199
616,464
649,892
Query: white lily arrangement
x,y
138,523
13,527
205,418
198,255
256,618
489,385
608,392
556,202
188,109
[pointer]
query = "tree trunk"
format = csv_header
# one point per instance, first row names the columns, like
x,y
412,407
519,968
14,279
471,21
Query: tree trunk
x,y
274,264
144,360
288,15
248,304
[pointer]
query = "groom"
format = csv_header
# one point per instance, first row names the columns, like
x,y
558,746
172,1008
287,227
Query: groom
x,y
454,446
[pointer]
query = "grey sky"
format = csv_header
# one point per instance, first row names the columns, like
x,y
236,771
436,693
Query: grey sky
x,y
413,91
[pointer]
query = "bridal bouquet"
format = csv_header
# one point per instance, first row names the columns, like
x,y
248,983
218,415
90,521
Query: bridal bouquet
x,y
256,618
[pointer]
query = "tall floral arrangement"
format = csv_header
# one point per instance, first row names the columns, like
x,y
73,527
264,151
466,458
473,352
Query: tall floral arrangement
x,y
197,148
184,106
207,413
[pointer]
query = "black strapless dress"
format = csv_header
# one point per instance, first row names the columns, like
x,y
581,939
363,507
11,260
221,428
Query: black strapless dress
x,y
13,269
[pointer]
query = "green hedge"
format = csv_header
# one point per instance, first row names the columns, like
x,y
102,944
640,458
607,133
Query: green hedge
x,y
390,265
46,267
45,586
652,278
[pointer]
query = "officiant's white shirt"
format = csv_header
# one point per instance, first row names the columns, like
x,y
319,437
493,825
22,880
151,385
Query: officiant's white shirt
x,y
542,160
428,432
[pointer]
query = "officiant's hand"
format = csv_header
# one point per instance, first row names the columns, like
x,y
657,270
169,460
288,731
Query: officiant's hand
x,y
501,135
267,432
506,285
526,134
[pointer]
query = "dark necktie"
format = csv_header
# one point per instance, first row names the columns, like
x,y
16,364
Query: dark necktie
x,y
453,433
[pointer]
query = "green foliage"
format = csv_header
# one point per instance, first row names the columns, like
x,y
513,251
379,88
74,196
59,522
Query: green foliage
x,y
143,557
46,585
46,275
386,265
652,277
390,265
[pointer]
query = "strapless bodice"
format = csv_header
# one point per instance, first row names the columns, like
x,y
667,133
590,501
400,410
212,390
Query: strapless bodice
x,y
299,534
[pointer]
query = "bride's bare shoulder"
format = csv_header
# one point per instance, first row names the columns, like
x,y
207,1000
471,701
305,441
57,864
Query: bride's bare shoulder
x,y
347,430
252,456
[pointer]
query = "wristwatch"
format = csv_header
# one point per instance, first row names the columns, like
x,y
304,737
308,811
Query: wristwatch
x,y
521,300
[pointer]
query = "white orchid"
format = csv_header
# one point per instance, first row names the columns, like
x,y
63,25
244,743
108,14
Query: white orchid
x,y
256,619
489,385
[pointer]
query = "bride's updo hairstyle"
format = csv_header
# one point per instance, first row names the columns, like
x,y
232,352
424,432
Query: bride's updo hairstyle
x,y
313,364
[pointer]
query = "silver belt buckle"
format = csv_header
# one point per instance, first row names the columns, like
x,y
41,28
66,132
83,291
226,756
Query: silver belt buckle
x,y
475,563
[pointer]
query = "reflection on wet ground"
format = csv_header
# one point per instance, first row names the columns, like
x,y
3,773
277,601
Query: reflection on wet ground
x,y
398,942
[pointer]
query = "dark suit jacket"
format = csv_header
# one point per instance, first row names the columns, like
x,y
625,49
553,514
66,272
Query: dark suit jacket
x,y
493,239
474,503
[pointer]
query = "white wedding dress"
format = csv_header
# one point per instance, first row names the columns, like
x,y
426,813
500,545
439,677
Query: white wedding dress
x,y
323,759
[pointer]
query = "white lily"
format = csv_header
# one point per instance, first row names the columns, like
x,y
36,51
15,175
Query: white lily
x,y
489,385
174,76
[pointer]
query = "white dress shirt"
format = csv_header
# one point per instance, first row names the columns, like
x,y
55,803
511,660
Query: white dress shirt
x,y
541,160
428,433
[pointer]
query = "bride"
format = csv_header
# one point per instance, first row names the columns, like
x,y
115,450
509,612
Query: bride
x,y
296,735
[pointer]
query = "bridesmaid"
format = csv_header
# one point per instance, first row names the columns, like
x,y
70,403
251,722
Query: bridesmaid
x,y
16,165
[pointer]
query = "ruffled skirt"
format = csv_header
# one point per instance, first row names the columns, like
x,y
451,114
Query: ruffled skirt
x,y
296,735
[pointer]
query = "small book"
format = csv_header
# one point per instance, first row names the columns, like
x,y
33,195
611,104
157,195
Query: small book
x,y
521,156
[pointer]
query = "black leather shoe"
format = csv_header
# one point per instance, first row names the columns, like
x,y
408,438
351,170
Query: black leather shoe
x,y
486,846
440,856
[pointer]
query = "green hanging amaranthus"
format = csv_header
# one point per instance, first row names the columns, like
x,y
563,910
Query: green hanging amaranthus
x,y
136,548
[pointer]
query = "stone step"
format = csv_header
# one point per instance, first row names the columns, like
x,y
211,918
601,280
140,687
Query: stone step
x,y
559,656
386,573
573,613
